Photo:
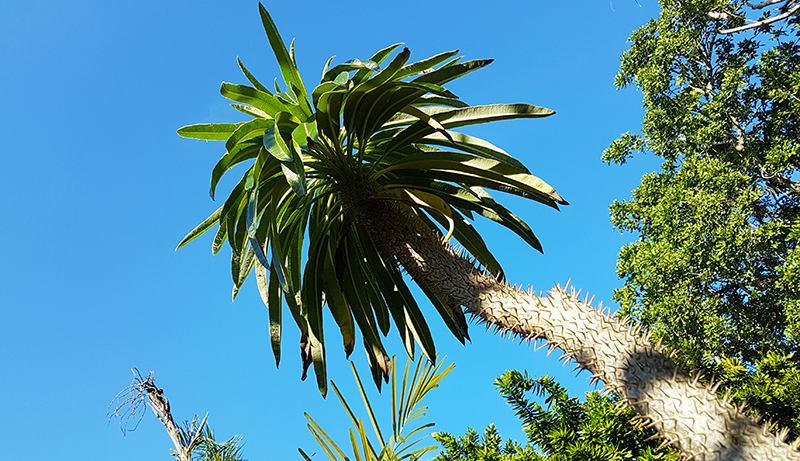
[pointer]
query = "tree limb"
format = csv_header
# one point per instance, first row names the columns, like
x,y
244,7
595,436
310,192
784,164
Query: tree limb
x,y
764,4
794,9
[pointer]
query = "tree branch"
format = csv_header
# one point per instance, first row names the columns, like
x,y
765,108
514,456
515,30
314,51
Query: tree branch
x,y
764,4
794,9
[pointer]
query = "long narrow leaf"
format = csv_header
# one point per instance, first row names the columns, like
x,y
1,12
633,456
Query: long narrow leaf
x,y
251,78
433,100
404,309
242,152
244,269
353,419
259,99
304,455
250,110
268,289
432,122
232,210
219,237
352,102
328,112
201,228
449,315
388,288
468,116
377,58
320,366
275,316
252,129
406,96
288,67
362,313
368,406
478,170
209,131
474,146
324,440
421,66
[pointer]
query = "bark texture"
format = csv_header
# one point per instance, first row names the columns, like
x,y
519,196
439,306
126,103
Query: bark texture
x,y
686,413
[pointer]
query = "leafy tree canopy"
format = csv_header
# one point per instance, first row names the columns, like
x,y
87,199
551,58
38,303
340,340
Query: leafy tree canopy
x,y
715,271
564,429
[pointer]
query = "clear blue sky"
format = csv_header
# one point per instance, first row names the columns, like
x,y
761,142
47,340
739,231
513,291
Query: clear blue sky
x,y
97,190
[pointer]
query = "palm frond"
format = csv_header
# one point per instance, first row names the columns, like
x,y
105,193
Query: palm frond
x,y
405,408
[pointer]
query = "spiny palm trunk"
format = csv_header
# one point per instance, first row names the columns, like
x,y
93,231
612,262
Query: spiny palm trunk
x,y
686,413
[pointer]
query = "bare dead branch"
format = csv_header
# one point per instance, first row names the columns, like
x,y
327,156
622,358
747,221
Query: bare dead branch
x,y
130,402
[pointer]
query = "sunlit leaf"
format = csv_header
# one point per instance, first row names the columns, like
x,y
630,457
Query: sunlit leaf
x,y
209,131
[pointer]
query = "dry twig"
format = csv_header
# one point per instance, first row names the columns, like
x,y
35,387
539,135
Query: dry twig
x,y
130,402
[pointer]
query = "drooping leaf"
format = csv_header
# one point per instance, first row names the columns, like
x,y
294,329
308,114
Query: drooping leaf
x,y
320,367
338,305
219,237
468,116
363,316
349,66
474,146
275,145
252,129
485,172
268,289
401,303
241,271
329,107
353,100
242,152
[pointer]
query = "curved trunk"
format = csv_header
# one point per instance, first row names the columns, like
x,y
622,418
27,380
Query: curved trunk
x,y
686,413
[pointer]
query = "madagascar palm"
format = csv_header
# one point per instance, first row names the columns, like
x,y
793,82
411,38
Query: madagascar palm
x,y
370,153
362,173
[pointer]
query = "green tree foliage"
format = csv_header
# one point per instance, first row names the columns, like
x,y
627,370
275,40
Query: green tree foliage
x,y
715,271
564,429
489,447
211,450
